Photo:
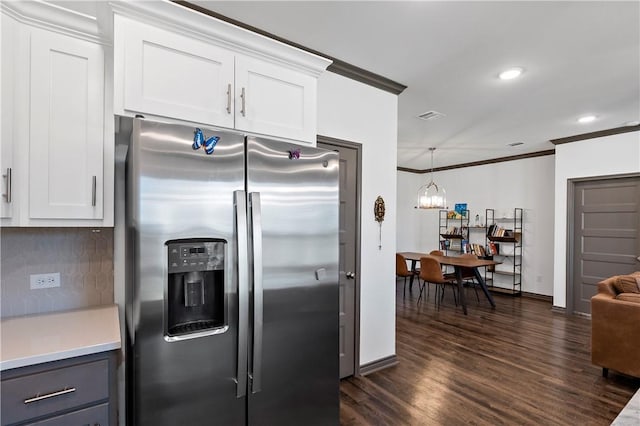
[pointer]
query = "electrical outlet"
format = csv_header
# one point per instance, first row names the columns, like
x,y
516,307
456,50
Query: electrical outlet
x,y
39,281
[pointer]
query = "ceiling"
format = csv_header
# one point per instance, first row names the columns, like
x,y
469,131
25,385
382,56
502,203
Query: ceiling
x,y
578,57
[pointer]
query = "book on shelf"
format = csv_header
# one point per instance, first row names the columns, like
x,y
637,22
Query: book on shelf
x,y
494,247
466,248
498,231
478,250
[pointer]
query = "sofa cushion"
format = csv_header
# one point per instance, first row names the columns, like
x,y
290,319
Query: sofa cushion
x,y
629,297
627,284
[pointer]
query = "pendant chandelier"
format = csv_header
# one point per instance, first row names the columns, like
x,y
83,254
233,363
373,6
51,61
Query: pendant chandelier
x,y
430,196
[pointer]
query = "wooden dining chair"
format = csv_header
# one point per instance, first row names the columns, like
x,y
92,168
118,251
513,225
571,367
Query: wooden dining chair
x,y
402,270
431,272
439,253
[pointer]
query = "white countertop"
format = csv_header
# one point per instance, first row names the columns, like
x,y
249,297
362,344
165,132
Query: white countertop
x,y
35,339
630,414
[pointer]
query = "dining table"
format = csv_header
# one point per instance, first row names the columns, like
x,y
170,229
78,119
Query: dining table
x,y
458,263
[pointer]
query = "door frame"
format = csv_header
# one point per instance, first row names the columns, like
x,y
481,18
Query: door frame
x,y
358,147
571,186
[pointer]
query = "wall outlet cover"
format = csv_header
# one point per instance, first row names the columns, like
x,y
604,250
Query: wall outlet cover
x,y
40,281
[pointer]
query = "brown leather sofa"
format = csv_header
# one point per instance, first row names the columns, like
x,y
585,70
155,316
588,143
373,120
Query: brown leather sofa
x,y
615,327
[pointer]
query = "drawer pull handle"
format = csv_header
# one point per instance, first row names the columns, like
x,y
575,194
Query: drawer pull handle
x,y
49,395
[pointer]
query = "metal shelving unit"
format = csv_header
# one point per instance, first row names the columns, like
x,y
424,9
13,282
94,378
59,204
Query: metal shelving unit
x,y
451,243
507,232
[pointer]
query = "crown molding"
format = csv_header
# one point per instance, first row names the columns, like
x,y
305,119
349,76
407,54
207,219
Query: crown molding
x,y
363,76
598,134
480,163
337,66
54,18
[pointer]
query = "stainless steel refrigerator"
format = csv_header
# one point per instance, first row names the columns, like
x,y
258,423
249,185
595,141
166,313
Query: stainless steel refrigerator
x,y
232,279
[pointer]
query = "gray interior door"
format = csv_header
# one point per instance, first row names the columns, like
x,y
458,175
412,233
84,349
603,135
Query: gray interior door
x,y
606,229
348,257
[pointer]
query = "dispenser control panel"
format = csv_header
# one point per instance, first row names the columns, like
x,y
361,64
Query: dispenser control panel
x,y
196,256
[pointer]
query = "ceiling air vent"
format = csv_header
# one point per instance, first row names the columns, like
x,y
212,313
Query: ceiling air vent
x,y
431,115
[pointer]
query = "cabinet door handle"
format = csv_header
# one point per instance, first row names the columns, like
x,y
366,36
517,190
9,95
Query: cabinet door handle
x,y
7,195
229,98
243,96
93,191
49,395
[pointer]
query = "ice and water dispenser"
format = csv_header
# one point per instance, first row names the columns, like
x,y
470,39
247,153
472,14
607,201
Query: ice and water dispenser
x,y
195,301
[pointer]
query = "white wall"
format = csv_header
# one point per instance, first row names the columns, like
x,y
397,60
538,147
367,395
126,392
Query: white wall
x,y
607,156
359,113
526,183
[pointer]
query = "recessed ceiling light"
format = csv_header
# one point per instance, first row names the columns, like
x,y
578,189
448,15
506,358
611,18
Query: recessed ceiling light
x,y
511,73
586,119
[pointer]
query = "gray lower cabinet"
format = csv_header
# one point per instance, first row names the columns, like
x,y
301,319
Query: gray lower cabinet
x,y
77,391
93,416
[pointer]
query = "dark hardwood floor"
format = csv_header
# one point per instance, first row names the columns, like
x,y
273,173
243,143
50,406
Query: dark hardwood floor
x,y
520,364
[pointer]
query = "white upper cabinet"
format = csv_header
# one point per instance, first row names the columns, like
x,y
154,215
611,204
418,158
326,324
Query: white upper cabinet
x,y
171,75
275,100
55,138
7,200
173,62
66,127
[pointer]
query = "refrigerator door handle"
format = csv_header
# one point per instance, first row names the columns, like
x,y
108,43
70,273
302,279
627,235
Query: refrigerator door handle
x,y
256,234
240,203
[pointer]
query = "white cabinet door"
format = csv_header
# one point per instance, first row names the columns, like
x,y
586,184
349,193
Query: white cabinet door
x,y
6,144
171,75
66,137
274,100
7,168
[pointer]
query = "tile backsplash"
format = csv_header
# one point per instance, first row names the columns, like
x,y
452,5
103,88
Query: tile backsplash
x,y
82,256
